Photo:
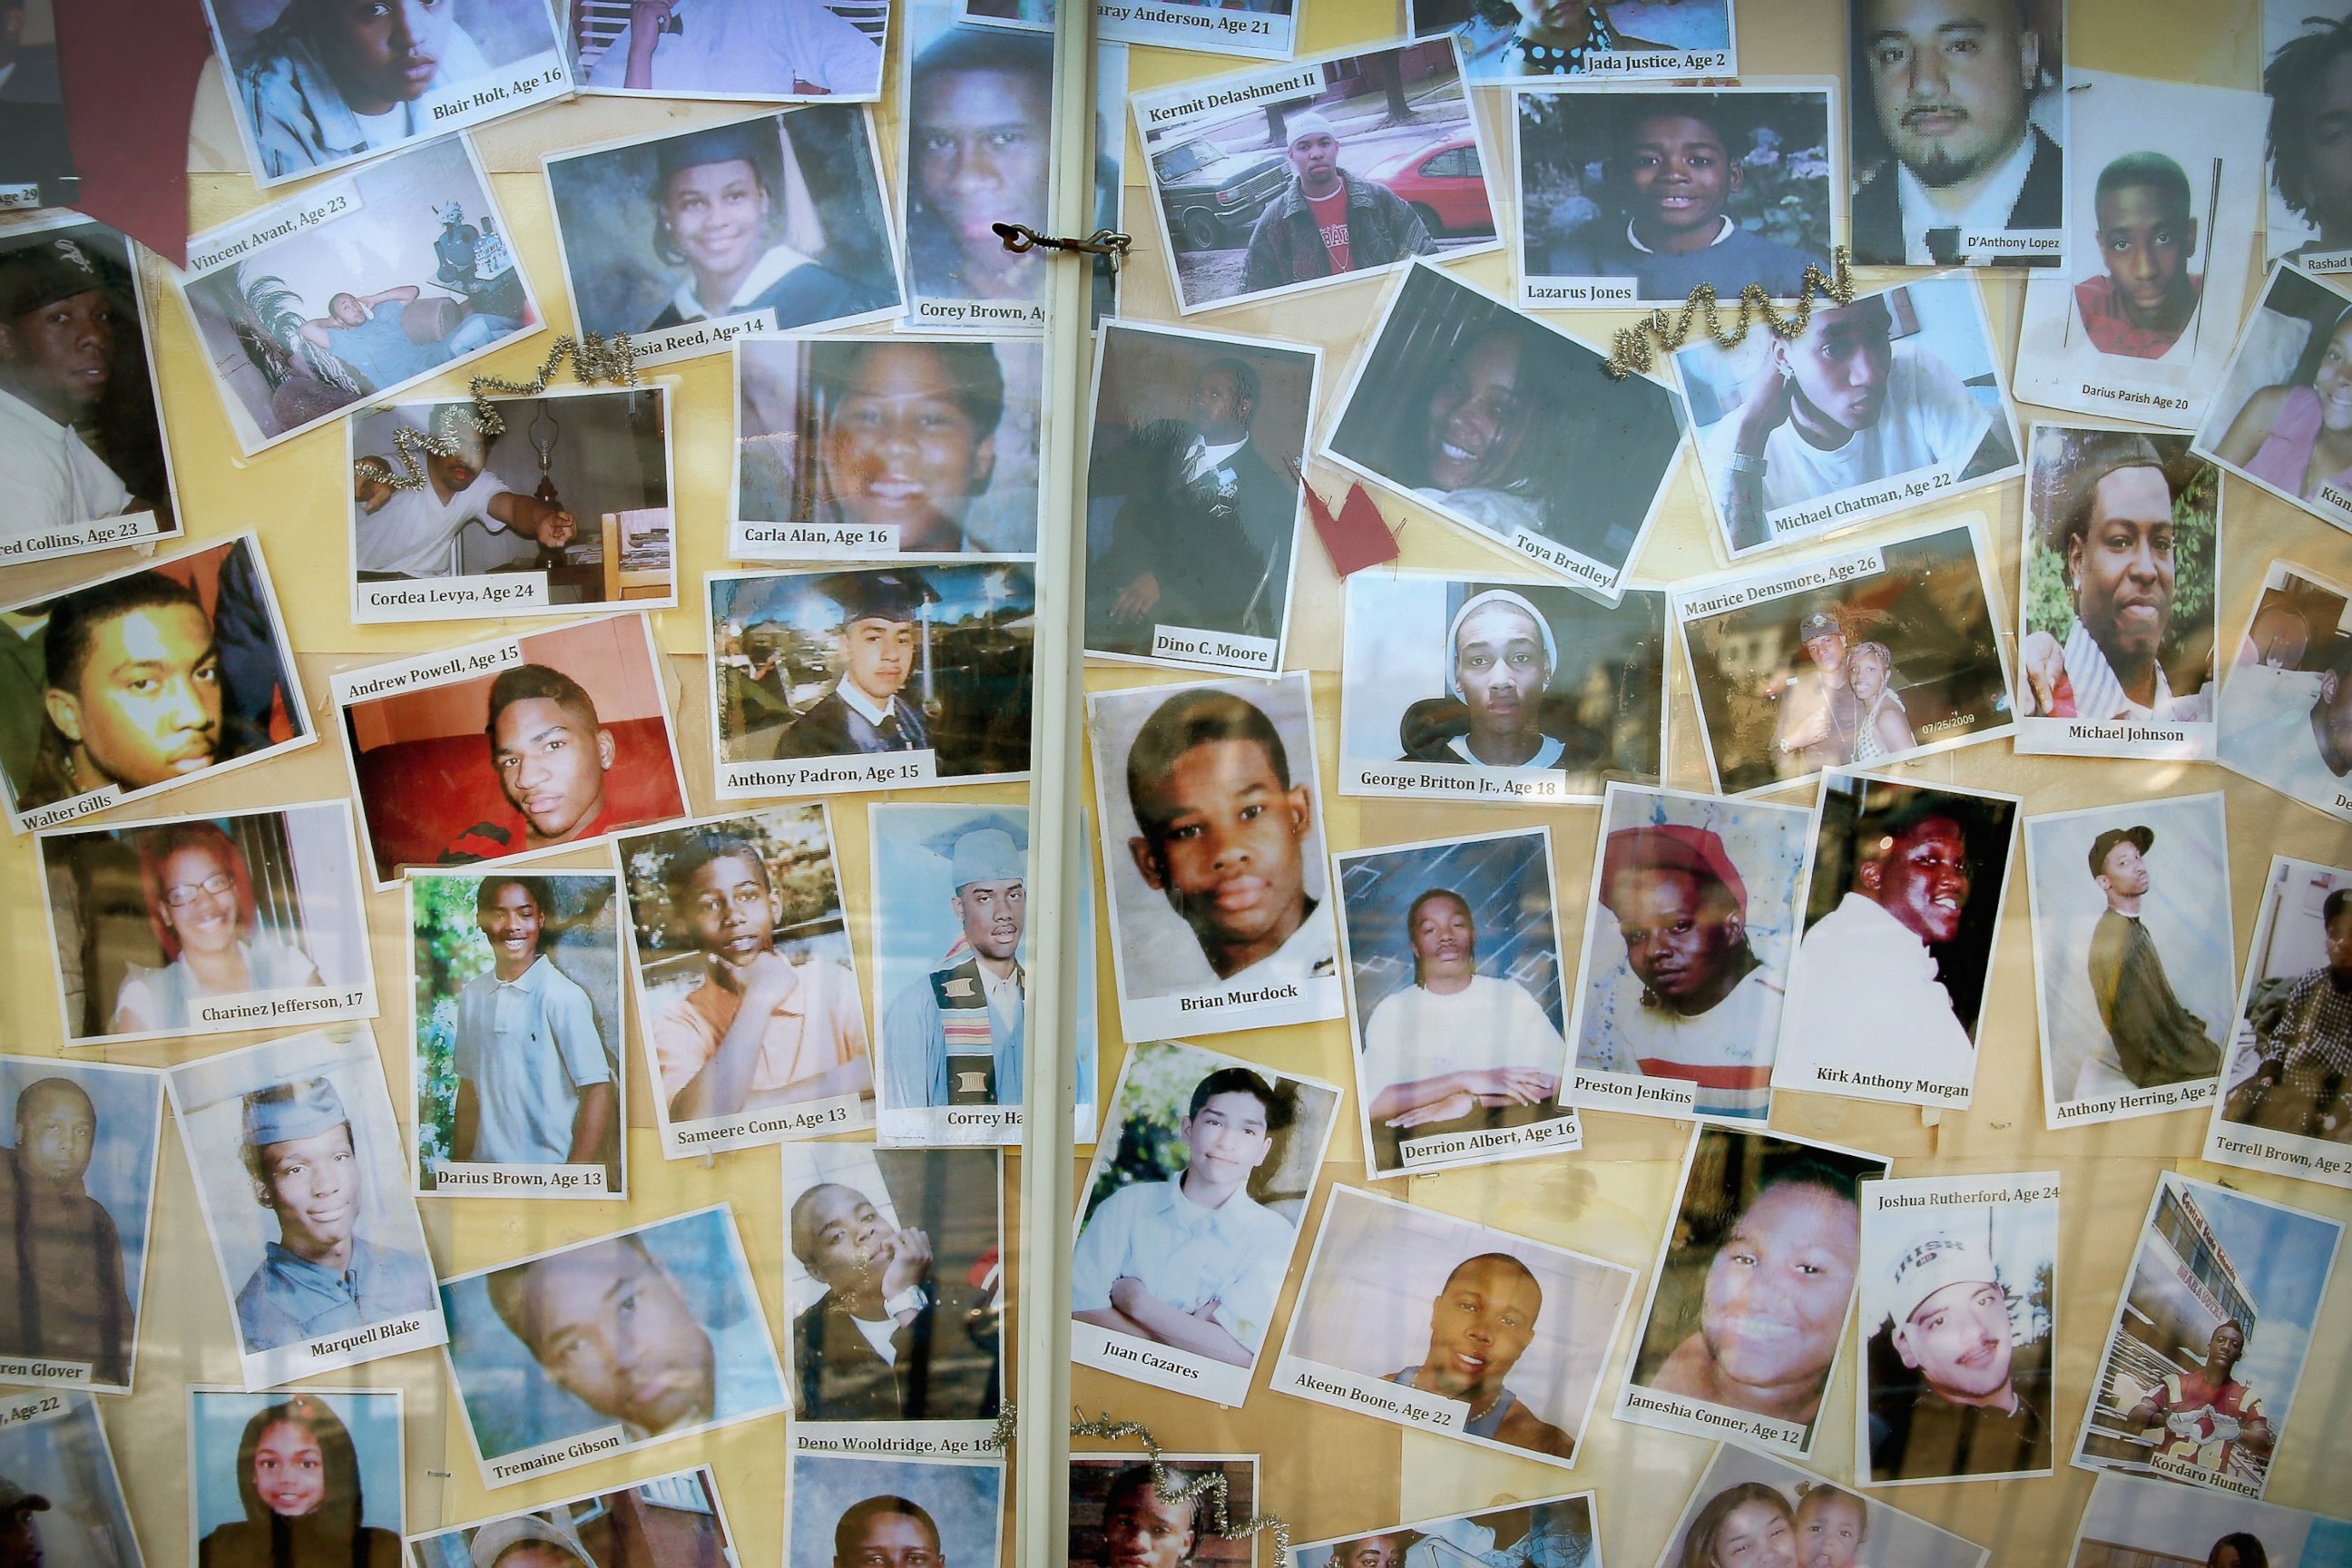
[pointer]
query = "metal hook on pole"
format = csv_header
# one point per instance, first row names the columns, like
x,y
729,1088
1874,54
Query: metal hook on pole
x,y
1020,237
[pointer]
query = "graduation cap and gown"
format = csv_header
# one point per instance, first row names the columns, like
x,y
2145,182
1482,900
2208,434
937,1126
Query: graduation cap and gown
x,y
831,727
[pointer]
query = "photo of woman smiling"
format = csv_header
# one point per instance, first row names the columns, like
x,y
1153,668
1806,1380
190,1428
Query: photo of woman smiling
x,y
1505,426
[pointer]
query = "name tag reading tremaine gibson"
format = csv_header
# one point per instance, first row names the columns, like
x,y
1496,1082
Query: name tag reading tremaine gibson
x,y
560,1454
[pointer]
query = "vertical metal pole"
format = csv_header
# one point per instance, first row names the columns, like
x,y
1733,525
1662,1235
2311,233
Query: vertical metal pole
x,y
1042,1471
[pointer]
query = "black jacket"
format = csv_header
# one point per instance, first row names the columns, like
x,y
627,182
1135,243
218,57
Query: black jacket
x,y
1878,207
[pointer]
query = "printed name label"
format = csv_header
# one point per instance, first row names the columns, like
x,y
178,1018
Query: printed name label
x,y
75,537
1582,292
931,1124
1460,781
774,1124
468,1178
1226,649
1582,571
797,540
968,1440
46,1371
336,198
432,669
1371,1396
827,775
432,598
1650,1408
1635,1092
699,337
25,1412
246,1007
561,1454
1823,574
979,314
1561,1135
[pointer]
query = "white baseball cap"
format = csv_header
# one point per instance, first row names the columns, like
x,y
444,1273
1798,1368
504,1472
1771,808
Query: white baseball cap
x,y
1934,1260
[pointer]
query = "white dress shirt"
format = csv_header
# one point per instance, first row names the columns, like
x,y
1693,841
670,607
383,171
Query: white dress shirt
x,y
1987,213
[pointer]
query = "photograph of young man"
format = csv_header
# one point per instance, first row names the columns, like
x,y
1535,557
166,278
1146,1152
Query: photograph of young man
x,y
1480,1323
877,1346
2142,302
2108,516
1774,1303
58,319
888,1531
1141,1528
320,1276
612,1326
1951,1321
1951,84
2302,1081
1842,406
551,755
408,532
879,643
1194,1261
756,1030
1326,221
370,333
2202,1416
2156,1040
63,1295
744,49
1499,673
133,698
910,436
978,100
955,1037
1222,831
2309,83
535,1085
329,79
1703,1007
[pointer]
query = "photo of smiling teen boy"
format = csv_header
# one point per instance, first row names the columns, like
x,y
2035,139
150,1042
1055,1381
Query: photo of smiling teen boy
x,y
1193,1261
1222,831
320,1276
757,1030
534,1085
1674,171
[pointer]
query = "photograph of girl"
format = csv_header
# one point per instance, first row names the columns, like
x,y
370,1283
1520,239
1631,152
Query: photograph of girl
x,y
298,1496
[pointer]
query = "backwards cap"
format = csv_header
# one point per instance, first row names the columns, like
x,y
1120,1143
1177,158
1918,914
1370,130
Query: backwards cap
x,y
1672,846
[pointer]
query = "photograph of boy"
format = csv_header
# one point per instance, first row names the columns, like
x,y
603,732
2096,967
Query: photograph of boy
x,y
2132,1518
1217,822
1749,1302
654,1332
145,678
58,1465
1500,1339
1507,675
195,925
1959,1326
2119,609
360,304
893,1513
1264,194
978,101
785,49
897,1302
1548,1532
2286,709
1187,1230
1720,188
1454,1035
1900,922
2310,207
1192,504
80,440
1539,39
1751,1511
319,1275
1119,1520
301,1476
677,1520
317,84
1958,131
1495,420
905,446
2286,1078
779,219
2210,1333
2147,231
563,745
952,1035
1896,385
578,488
2135,954
2278,418
1687,953
517,1061
876,661
745,991
77,1181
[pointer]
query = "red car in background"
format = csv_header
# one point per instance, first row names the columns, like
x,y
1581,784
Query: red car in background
x,y
1445,184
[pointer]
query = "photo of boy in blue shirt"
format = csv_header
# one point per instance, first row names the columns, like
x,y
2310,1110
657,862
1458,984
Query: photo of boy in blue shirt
x,y
1195,1262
